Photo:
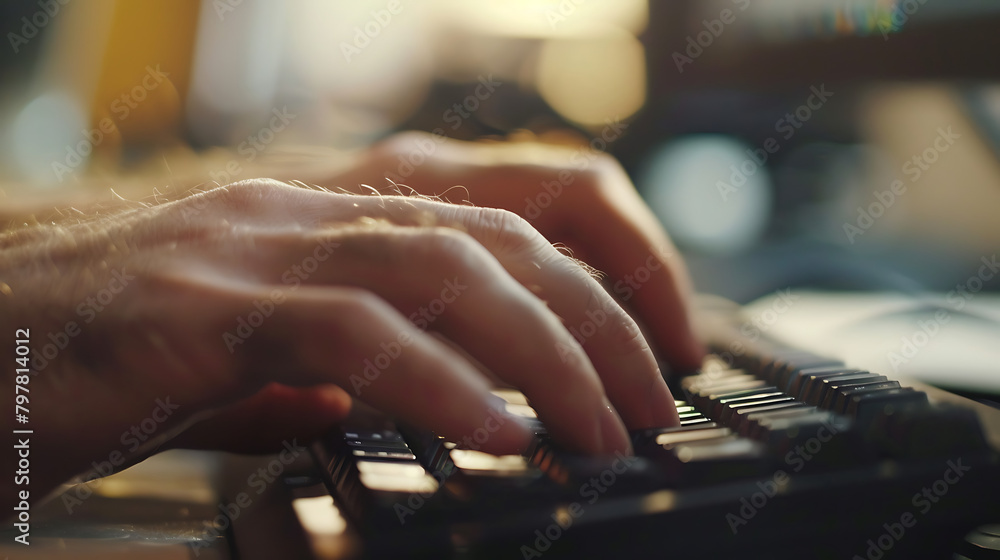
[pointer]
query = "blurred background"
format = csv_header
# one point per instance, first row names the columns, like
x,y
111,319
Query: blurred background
x,y
813,144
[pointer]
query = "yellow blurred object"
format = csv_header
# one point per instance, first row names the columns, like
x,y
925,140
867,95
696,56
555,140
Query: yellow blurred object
x,y
129,63
593,80
144,99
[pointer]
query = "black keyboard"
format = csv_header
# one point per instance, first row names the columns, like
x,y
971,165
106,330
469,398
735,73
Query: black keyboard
x,y
780,454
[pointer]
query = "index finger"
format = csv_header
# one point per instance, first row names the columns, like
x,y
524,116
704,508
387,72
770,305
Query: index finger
x,y
622,237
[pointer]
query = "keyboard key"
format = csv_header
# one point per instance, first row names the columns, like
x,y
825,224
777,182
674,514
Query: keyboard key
x,y
497,478
741,416
715,460
707,399
815,442
383,454
729,410
813,386
795,379
641,438
829,385
377,445
374,436
751,422
839,398
719,402
783,376
700,421
933,431
698,383
618,475
650,443
867,407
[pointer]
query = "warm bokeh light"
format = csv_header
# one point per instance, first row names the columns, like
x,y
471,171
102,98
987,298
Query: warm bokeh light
x,y
594,79
542,19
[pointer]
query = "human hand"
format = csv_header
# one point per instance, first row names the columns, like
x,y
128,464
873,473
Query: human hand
x,y
577,197
163,303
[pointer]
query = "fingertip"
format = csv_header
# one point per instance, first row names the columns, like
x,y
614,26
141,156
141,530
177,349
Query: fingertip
x,y
612,435
662,410
499,433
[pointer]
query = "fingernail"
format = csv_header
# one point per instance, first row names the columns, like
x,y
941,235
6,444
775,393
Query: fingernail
x,y
613,435
662,410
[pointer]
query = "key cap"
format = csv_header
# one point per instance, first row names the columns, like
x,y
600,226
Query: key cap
x,y
617,475
700,421
814,385
783,376
942,430
641,438
649,443
738,417
369,481
829,385
373,436
866,407
840,397
713,461
382,454
728,410
695,384
751,422
707,399
479,476
720,402
796,379
815,442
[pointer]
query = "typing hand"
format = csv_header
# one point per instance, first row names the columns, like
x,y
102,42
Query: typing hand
x,y
272,305
578,197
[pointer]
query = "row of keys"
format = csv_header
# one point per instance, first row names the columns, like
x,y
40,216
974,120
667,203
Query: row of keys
x,y
736,424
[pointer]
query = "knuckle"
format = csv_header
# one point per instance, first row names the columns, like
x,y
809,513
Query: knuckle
x,y
626,337
504,230
361,304
251,192
445,249
246,196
